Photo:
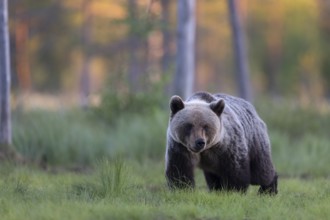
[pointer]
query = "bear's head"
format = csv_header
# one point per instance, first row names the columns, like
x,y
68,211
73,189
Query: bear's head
x,y
195,124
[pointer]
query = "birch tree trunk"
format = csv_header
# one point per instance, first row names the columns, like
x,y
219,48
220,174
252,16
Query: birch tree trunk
x,y
185,60
5,118
242,69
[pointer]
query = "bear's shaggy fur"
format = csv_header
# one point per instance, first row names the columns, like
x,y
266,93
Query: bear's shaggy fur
x,y
224,136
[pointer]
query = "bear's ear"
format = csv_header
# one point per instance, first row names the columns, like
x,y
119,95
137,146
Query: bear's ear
x,y
176,104
218,106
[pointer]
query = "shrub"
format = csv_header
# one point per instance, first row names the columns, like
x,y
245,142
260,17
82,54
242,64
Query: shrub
x,y
118,99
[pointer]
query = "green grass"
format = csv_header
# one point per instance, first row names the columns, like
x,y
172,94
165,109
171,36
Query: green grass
x,y
121,169
117,190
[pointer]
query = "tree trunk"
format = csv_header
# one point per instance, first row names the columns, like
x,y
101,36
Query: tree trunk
x,y
86,41
133,65
242,69
325,54
22,50
185,60
5,118
166,35
273,34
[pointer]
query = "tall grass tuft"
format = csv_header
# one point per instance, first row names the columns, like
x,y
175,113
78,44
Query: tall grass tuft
x,y
111,180
112,175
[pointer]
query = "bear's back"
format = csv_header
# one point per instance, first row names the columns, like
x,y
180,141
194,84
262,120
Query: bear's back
x,y
202,96
254,128
237,105
241,107
244,111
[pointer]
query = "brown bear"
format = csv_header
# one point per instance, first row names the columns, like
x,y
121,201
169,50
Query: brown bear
x,y
224,136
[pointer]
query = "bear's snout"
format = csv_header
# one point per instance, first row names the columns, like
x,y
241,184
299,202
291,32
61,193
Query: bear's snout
x,y
199,144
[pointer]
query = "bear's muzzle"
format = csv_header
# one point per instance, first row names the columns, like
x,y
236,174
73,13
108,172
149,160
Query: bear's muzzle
x,y
199,145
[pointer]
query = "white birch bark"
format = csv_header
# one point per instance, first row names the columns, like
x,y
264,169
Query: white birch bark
x,y
5,117
186,31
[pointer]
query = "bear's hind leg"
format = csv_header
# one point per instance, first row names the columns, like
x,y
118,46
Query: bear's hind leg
x,y
271,188
215,182
263,173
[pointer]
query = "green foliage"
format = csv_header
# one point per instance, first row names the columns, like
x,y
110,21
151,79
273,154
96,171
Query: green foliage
x,y
294,120
137,122
139,137
305,157
72,139
285,45
58,138
115,105
119,99
299,137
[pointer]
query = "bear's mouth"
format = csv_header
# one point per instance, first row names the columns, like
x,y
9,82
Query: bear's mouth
x,y
195,149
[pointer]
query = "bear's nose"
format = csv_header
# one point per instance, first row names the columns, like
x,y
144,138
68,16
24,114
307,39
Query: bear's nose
x,y
199,144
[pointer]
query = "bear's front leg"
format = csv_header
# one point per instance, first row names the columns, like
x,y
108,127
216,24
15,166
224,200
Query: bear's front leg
x,y
213,181
179,167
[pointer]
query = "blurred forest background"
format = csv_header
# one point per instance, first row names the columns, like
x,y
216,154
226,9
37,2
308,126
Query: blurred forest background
x,y
73,50
92,78
91,81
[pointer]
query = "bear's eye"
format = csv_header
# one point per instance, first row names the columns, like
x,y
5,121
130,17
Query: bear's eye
x,y
188,127
206,128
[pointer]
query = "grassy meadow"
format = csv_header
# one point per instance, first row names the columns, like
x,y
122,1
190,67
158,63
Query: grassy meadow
x,y
82,167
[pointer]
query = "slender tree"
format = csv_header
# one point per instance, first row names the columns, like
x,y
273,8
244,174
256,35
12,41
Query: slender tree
x,y
166,35
86,41
5,118
242,70
325,54
185,58
21,48
134,43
